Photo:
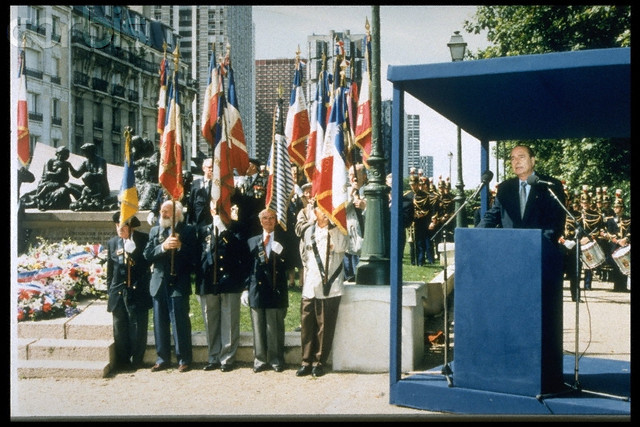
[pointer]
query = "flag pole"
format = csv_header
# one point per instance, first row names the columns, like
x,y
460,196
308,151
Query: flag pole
x,y
374,267
173,199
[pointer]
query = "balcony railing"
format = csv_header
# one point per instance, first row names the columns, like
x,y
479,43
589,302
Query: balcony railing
x,y
132,95
55,79
81,78
99,84
36,117
33,73
40,29
117,90
56,121
97,125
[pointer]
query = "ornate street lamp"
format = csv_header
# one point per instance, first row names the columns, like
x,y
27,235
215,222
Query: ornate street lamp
x,y
458,46
373,268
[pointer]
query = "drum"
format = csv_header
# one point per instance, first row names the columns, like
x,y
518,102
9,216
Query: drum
x,y
622,257
592,255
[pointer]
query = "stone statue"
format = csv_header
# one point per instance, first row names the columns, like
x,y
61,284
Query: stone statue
x,y
95,195
145,160
54,190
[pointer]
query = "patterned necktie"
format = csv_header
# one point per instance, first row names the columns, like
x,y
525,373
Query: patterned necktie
x,y
266,242
523,198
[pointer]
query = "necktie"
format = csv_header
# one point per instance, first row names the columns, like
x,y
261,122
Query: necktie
x,y
523,198
266,242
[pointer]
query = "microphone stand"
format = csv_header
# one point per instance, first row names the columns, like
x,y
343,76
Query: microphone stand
x,y
446,368
579,232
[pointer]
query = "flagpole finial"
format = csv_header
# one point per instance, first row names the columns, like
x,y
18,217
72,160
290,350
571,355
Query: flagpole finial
x,y
164,47
176,56
298,54
367,26
280,90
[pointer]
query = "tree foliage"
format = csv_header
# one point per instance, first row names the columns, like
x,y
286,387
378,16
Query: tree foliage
x,y
524,30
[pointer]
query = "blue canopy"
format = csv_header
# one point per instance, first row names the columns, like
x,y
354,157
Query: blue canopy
x,y
548,96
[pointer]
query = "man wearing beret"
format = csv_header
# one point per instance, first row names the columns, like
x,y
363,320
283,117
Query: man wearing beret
x,y
128,291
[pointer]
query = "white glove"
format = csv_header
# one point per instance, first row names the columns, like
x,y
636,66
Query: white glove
x,y
569,244
151,219
244,298
276,247
129,246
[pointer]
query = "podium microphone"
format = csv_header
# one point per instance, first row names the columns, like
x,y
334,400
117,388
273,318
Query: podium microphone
x,y
533,179
487,176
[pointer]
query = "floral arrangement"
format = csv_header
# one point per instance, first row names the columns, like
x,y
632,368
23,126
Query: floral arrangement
x,y
52,276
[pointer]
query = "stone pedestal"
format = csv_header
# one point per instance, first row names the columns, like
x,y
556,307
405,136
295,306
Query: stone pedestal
x,y
361,343
81,227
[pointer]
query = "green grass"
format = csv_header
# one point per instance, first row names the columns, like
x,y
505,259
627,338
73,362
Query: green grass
x,y
410,273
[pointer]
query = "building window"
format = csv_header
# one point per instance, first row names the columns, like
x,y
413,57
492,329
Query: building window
x,y
55,112
97,116
79,113
55,29
115,121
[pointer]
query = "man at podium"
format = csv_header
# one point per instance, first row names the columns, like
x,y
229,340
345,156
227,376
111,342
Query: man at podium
x,y
525,200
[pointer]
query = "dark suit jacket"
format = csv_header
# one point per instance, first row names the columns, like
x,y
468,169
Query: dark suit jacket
x,y
542,210
264,292
228,254
185,260
137,293
198,212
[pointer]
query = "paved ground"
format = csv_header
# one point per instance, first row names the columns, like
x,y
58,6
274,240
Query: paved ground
x,y
605,331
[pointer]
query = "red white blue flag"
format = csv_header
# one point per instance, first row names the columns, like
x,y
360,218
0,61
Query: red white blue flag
x,y
210,106
363,121
318,125
24,148
332,189
170,174
297,128
162,95
239,158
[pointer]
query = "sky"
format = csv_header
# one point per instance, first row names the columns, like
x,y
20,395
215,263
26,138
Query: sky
x,y
408,35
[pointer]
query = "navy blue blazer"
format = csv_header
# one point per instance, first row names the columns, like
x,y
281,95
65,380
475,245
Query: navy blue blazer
x,y
542,210
264,292
184,262
136,293
228,254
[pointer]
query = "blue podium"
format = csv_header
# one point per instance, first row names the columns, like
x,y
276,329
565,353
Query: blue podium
x,y
508,312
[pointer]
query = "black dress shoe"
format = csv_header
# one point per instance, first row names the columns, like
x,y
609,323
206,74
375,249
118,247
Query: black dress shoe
x,y
227,367
317,371
211,366
261,368
159,367
278,368
304,371
184,368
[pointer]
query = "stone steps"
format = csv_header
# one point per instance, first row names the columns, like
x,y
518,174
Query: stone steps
x,y
82,346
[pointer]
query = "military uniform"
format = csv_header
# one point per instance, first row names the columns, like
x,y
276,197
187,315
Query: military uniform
x,y
223,270
129,300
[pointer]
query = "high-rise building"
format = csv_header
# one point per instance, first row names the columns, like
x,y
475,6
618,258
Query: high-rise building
x,y
426,164
201,29
272,76
91,71
328,45
412,142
